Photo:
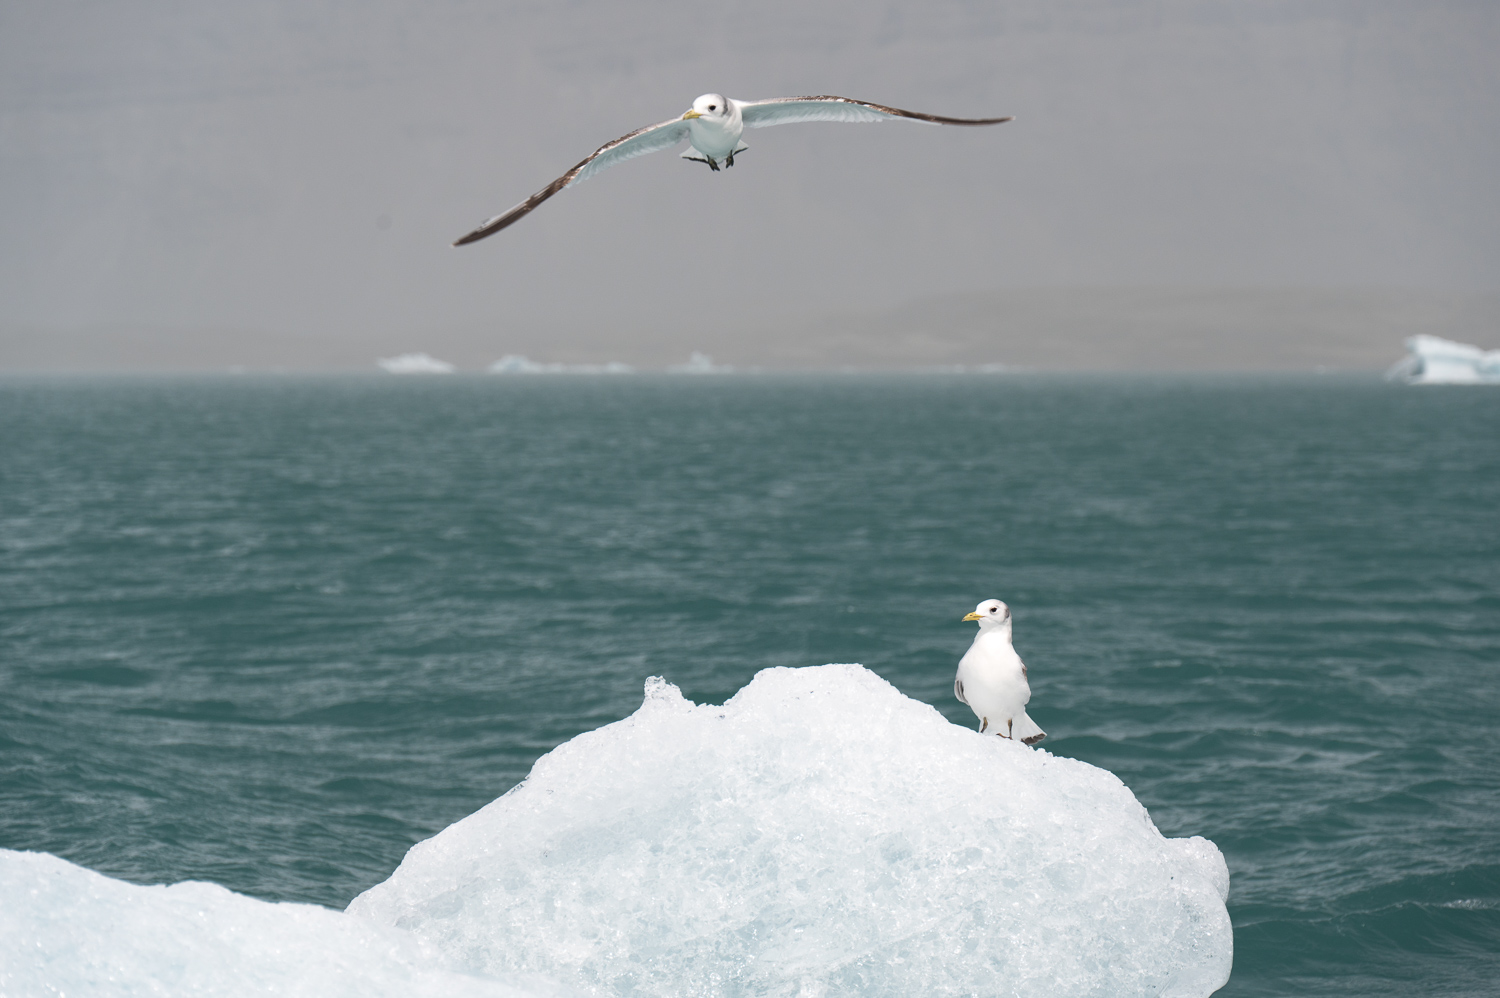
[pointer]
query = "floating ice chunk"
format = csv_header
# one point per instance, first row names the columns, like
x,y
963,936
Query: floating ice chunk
x,y
818,834
415,363
65,930
513,363
700,363
1435,361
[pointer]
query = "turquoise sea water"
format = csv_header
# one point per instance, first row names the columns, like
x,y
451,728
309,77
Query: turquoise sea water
x,y
270,633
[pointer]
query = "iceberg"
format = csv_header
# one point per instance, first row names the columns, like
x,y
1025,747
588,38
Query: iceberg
x,y
1432,360
65,930
415,363
513,363
818,834
700,363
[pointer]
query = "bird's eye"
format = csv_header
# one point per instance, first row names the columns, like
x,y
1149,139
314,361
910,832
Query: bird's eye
x,y
713,107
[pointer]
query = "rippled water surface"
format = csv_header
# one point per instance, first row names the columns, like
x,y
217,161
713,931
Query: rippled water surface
x,y
271,632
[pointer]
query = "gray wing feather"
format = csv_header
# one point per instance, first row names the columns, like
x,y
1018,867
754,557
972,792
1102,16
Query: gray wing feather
x,y
652,138
790,110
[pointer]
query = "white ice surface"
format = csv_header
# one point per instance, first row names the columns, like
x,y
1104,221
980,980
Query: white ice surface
x,y
415,363
819,834
67,931
1432,360
513,363
700,363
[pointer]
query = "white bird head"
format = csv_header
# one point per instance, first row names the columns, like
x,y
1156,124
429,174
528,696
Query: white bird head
x,y
713,106
991,613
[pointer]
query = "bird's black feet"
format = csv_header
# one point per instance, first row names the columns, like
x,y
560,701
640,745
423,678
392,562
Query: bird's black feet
x,y
730,161
713,164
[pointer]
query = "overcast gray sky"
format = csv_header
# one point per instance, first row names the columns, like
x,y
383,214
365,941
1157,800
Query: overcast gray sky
x,y
278,182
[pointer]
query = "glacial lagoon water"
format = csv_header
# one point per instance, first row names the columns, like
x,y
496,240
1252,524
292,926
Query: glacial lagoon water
x,y
269,633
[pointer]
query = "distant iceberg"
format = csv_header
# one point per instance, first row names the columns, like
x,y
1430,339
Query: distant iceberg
x,y
415,363
1433,360
968,369
700,363
516,364
818,834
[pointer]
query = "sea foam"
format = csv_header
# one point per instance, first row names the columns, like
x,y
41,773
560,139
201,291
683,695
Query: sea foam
x,y
818,834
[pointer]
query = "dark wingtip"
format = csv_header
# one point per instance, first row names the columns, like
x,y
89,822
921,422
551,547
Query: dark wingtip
x,y
486,229
941,120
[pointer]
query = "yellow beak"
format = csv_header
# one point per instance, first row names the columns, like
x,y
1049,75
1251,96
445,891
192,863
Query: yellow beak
x,y
692,114
976,615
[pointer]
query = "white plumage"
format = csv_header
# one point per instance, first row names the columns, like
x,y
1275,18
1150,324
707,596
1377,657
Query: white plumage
x,y
713,126
992,678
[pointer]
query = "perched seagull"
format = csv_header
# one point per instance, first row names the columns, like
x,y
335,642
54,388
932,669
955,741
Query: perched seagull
x,y
992,678
713,125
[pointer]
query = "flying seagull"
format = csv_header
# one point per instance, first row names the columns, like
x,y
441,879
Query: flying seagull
x,y
992,678
713,125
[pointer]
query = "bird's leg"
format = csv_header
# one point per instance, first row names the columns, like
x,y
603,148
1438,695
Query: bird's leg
x,y
1010,727
713,164
730,160
985,726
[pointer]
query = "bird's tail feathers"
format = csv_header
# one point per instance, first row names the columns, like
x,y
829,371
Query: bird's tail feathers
x,y
1026,730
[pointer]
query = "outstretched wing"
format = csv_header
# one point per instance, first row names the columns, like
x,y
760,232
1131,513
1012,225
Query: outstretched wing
x,y
652,138
790,110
